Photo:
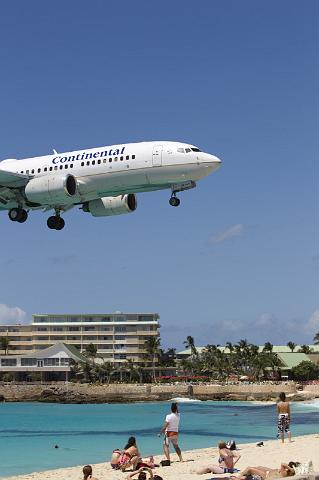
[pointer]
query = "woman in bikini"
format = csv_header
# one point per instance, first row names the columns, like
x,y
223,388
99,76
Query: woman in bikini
x,y
266,473
227,460
129,456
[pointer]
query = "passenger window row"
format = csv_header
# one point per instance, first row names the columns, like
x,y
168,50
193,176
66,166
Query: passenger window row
x,y
65,166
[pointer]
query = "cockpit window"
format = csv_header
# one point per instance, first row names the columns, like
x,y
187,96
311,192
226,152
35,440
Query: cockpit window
x,y
195,149
187,150
180,150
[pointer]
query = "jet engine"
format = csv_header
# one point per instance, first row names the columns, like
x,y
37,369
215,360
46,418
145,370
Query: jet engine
x,y
107,206
51,190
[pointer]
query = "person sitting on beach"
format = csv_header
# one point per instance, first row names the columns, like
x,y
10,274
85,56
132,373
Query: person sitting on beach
x,y
141,472
87,473
227,460
116,458
130,456
266,473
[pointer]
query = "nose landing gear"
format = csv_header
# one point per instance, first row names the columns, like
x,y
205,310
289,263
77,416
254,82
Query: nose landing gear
x,y
180,187
18,215
174,201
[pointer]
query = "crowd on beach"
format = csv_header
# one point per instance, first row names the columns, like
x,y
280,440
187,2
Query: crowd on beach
x,y
130,459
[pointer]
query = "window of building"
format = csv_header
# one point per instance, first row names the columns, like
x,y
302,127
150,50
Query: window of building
x,y
28,362
120,329
8,362
120,337
74,329
51,362
89,329
57,329
64,361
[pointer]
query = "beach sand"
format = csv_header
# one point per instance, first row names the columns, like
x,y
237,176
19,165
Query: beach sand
x,y
302,449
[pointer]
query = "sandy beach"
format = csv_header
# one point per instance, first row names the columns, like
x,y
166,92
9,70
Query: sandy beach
x,y
271,455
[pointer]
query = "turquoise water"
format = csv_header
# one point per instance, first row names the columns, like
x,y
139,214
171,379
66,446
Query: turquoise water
x,y
88,433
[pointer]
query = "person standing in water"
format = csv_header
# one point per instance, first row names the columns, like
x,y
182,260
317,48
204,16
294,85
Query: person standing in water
x,y
283,410
170,430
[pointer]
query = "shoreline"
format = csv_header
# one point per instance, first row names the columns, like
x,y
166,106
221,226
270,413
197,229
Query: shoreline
x,y
302,449
125,393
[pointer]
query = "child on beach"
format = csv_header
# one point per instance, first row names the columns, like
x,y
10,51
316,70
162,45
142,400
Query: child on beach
x,y
87,473
227,460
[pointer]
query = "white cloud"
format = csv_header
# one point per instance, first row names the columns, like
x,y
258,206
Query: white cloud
x,y
11,315
265,320
234,231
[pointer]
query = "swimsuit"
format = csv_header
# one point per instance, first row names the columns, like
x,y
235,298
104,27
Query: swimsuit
x,y
283,423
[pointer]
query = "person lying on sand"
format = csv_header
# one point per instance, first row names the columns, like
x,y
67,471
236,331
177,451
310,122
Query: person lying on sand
x,y
142,475
227,460
266,473
87,473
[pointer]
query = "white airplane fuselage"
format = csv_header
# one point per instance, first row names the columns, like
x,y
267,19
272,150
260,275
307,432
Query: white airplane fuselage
x,y
104,172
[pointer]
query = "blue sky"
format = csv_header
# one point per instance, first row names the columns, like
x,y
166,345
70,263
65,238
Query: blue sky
x,y
240,257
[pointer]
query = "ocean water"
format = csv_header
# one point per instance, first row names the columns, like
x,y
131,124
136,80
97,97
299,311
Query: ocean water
x,y
88,433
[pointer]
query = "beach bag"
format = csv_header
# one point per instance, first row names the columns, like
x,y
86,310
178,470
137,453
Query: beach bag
x,y
165,463
231,445
304,468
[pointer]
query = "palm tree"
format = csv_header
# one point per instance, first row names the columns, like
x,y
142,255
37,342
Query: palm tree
x,y
230,347
91,351
268,347
316,339
5,342
305,349
152,346
292,346
190,343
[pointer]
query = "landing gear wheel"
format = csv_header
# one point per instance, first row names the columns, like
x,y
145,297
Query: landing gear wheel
x,y
23,215
55,222
174,201
60,224
18,215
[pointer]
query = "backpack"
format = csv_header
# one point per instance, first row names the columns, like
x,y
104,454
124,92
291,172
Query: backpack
x,y
231,445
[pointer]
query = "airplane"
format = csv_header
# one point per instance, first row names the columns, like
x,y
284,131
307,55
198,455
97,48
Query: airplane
x,y
101,181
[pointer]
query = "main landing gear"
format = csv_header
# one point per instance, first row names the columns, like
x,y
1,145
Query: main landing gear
x,y
55,222
180,187
18,215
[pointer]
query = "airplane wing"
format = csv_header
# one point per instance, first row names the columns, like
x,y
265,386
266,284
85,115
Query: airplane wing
x,y
12,180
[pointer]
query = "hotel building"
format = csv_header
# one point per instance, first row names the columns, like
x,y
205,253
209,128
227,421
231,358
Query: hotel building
x,y
118,336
